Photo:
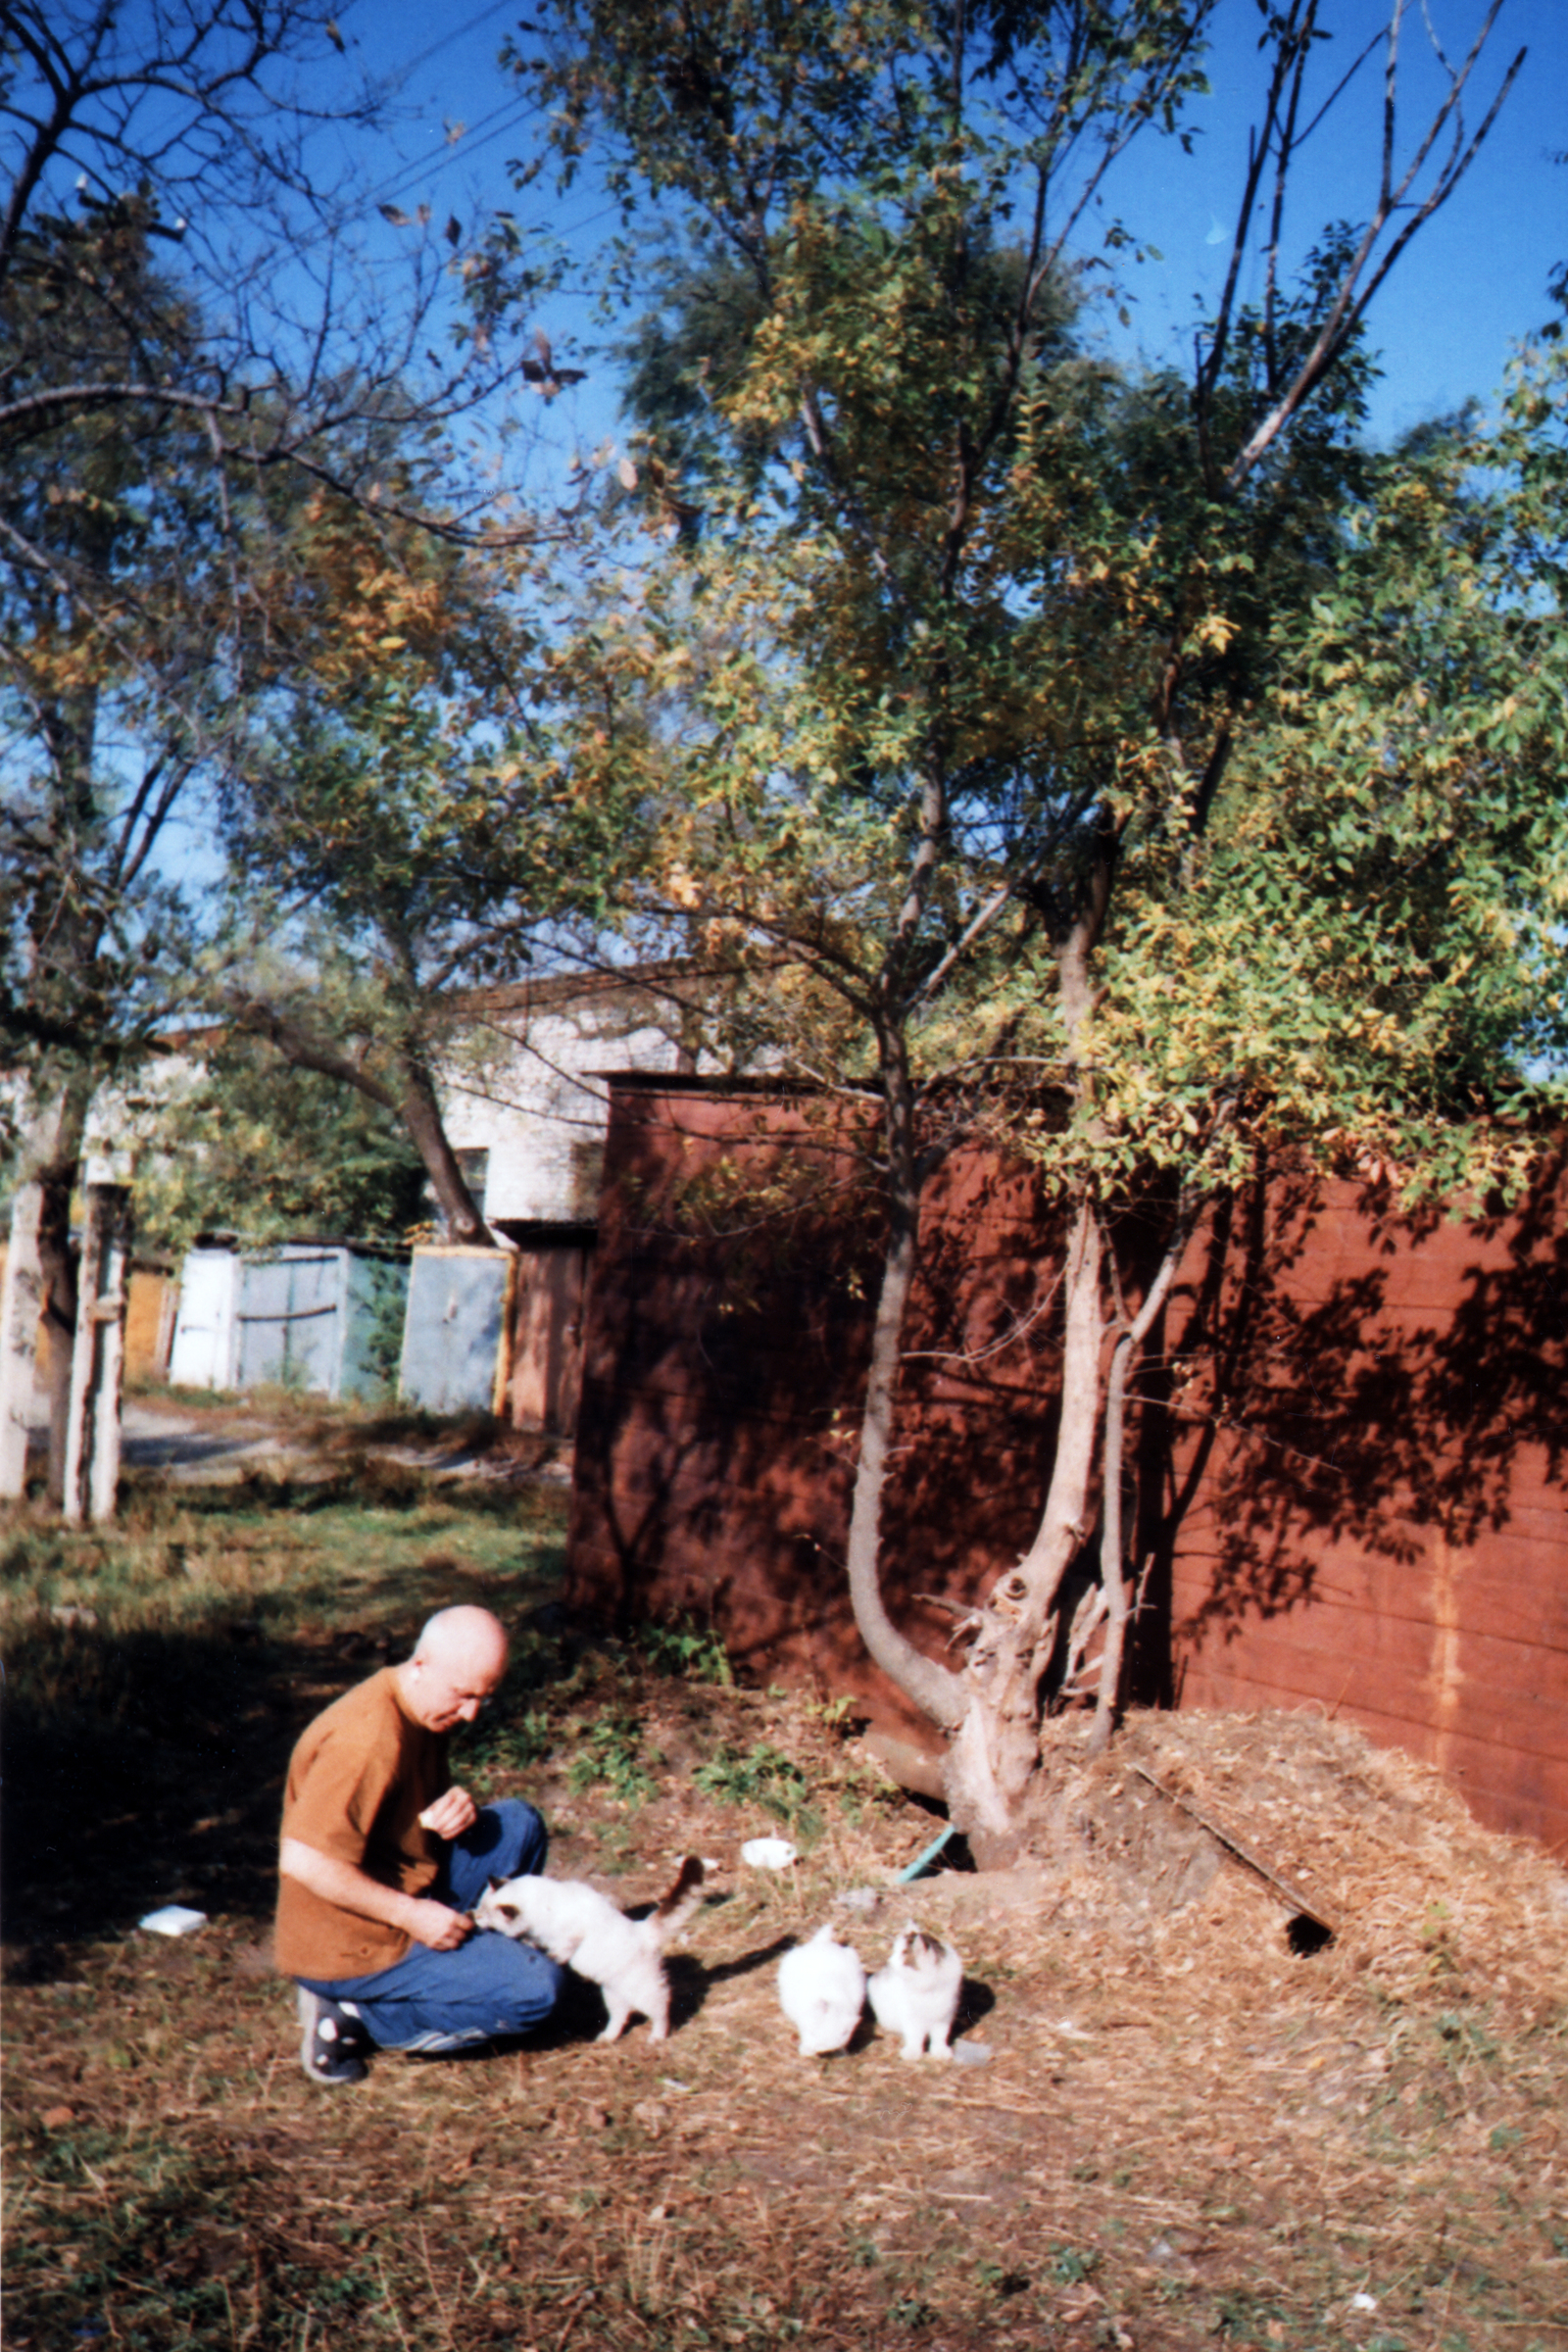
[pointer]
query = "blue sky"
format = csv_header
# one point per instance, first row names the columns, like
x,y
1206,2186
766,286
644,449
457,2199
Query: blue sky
x,y
1471,284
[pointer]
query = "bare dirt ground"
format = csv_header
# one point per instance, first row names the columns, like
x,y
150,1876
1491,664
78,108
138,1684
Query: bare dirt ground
x,y
204,1440
1171,2127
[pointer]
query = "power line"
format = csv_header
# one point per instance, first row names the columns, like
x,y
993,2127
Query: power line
x,y
399,74
399,183
455,150
450,149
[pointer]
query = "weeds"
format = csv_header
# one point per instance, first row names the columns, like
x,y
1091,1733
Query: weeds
x,y
610,1760
1072,2267
507,1743
911,2311
514,1732
997,2279
684,1647
765,1777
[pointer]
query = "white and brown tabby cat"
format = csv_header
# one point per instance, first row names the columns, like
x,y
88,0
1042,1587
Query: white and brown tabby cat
x,y
582,1928
916,1995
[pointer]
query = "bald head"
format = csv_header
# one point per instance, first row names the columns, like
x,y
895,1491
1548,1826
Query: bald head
x,y
464,1635
458,1660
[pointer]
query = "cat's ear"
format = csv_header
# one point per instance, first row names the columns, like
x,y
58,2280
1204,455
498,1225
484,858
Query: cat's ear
x,y
495,1884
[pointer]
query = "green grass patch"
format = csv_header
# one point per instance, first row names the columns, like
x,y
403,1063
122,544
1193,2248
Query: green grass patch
x,y
158,1672
684,1647
612,1759
762,1776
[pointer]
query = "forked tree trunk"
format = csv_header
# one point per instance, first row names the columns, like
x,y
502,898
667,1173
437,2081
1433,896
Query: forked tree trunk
x,y
997,1751
990,1711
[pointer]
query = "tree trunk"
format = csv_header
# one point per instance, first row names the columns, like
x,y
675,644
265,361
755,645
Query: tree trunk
x,y
421,1116
1112,1577
21,1307
996,1755
57,1269
41,1289
417,1104
992,1709
935,1689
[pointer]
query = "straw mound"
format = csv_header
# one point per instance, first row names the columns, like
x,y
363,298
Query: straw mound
x,y
1413,1893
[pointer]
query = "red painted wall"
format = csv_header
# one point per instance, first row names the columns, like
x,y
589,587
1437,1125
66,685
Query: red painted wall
x,y
1350,1457
1377,1520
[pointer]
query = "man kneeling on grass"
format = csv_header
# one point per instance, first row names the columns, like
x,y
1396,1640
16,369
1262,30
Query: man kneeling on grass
x,y
381,1860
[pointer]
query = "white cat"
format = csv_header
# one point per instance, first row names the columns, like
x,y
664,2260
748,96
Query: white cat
x,y
821,1990
583,1929
917,1993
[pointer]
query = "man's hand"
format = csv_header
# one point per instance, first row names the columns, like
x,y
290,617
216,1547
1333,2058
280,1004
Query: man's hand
x,y
438,1929
450,1814
341,1882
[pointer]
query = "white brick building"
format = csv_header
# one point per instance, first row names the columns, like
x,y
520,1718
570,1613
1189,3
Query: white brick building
x,y
525,1090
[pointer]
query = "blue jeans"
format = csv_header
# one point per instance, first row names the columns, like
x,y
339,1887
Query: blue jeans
x,y
489,1987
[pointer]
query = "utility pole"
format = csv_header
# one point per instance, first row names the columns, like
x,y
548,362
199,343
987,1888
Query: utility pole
x,y
98,1361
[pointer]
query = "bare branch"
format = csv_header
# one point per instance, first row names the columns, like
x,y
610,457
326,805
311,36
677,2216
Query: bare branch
x,y
1352,298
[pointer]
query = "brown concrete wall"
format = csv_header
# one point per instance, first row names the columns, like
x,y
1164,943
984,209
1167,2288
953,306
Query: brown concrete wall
x,y
1349,1467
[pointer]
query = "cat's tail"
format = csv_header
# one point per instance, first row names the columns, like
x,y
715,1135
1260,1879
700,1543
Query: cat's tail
x,y
673,1910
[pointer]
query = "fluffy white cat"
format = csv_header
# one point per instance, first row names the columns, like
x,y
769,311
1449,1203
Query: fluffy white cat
x,y
821,1990
576,1925
916,1995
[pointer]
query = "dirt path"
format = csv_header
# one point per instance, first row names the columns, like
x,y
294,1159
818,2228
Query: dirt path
x,y
196,1446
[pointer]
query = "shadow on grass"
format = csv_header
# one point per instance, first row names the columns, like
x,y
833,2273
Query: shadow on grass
x,y
580,2015
143,1768
157,1676
691,1979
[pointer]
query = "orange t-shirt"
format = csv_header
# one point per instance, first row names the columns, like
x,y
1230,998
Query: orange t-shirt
x,y
358,1781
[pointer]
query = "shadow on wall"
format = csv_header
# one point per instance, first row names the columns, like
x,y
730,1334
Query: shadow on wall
x,y
725,1333
1347,1382
727,1341
1345,1441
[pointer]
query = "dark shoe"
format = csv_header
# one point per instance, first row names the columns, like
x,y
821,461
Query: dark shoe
x,y
333,2039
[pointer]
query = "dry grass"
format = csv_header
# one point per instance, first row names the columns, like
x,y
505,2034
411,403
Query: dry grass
x,y
1184,2132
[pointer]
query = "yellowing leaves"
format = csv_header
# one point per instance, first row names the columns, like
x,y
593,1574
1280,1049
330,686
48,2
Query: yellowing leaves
x,y
1216,632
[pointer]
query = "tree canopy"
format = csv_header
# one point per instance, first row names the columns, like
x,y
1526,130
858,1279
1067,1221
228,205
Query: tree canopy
x,y
1088,747
212,472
